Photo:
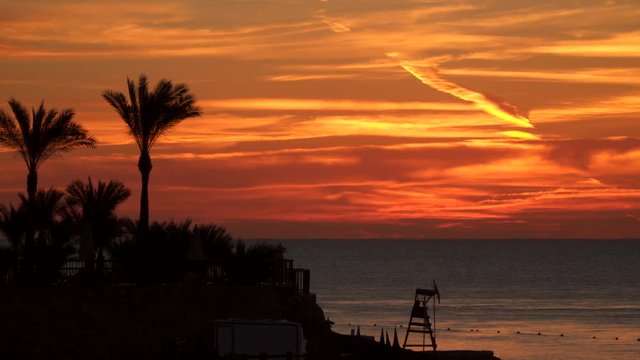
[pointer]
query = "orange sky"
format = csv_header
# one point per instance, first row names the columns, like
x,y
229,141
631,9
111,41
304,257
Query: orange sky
x,y
350,119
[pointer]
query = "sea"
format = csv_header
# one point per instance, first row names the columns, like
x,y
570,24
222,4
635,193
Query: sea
x,y
522,299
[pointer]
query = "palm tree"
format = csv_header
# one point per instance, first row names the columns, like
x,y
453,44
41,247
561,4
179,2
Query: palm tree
x,y
37,138
12,224
42,259
149,115
95,207
216,241
48,208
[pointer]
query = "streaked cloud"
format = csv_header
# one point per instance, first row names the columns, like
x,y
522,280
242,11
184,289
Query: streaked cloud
x,y
616,45
325,104
303,110
492,106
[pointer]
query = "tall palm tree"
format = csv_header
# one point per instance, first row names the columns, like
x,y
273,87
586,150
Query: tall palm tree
x,y
95,206
37,138
149,115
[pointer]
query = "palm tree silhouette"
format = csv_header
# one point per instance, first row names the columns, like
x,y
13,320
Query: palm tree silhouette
x,y
48,206
94,207
12,224
149,115
42,259
37,138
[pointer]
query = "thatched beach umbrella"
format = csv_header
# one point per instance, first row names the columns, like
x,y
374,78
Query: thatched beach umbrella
x,y
195,247
87,245
396,344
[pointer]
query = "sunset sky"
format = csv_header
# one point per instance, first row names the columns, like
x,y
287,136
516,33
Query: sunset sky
x,y
351,118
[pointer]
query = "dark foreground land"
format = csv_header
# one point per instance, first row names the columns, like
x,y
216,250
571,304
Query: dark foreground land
x,y
355,348
164,322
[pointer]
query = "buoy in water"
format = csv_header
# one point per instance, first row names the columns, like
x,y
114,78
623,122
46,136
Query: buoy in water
x,y
561,335
593,337
539,334
517,332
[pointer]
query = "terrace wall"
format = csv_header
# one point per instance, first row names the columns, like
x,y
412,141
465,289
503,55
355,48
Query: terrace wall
x,y
153,322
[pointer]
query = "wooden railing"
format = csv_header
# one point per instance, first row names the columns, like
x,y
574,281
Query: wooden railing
x,y
278,273
301,280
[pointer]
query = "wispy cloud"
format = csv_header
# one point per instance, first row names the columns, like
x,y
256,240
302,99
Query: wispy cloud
x,y
626,105
616,45
628,76
326,104
303,111
490,105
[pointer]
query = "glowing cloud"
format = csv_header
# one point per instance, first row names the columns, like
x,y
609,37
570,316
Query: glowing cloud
x,y
499,109
323,104
334,25
520,135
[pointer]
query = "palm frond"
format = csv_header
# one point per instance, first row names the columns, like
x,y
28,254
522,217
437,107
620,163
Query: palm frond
x,y
42,134
13,224
150,114
97,201
10,135
21,116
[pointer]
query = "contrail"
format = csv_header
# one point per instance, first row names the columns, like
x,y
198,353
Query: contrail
x,y
499,109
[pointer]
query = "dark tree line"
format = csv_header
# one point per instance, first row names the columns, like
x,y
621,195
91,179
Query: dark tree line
x,y
48,227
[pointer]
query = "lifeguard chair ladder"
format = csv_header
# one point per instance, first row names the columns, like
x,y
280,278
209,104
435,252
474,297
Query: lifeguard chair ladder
x,y
420,320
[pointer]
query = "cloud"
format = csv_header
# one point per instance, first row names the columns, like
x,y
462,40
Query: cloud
x,y
302,112
488,104
622,44
306,77
519,134
626,75
626,104
581,153
328,104
335,25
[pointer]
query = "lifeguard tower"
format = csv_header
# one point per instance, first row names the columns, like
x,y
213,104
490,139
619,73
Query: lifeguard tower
x,y
424,307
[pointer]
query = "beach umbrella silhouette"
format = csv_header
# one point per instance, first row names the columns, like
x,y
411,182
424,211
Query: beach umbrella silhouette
x,y
195,248
87,245
382,336
388,343
358,332
396,343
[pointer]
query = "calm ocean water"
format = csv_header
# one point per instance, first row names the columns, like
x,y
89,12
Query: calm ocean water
x,y
581,289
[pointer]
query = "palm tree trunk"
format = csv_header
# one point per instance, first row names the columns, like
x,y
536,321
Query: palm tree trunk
x,y
30,232
144,165
32,189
